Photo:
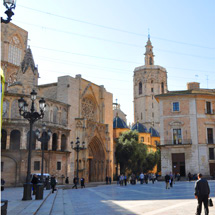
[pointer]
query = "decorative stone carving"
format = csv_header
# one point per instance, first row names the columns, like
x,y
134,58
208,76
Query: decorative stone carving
x,y
88,109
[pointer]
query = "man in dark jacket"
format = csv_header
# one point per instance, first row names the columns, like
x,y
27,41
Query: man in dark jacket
x,y
34,181
53,183
202,192
167,179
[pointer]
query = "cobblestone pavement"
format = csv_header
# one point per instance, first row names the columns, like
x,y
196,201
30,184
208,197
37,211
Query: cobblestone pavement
x,y
150,199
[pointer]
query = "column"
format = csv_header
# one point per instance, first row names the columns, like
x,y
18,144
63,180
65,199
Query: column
x,y
38,145
8,139
59,141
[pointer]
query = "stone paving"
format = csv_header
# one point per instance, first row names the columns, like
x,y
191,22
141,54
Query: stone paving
x,y
150,199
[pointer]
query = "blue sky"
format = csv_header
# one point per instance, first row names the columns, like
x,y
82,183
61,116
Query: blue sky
x,y
105,40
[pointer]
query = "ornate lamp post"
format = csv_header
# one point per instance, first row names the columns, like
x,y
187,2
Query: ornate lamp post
x,y
78,148
9,4
44,139
32,116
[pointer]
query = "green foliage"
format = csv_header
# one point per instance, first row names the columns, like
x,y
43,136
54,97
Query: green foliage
x,y
132,156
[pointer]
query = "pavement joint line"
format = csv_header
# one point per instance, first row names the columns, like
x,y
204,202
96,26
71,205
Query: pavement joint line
x,y
53,202
42,204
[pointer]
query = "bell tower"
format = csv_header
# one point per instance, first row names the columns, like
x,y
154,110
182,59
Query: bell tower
x,y
148,80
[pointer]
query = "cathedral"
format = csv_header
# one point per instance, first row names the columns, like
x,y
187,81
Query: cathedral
x,y
75,107
149,80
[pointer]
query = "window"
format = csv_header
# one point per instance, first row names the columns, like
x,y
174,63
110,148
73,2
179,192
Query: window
x,y
36,165
162,87
142,139
211,153
151,81
14,55
177,136
58,165
208,107
141,116
2,166
175,106
150,60
210,135
152,90
152,105
140,88
152,114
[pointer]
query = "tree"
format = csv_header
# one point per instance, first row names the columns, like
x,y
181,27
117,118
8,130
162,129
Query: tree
x,y
133,156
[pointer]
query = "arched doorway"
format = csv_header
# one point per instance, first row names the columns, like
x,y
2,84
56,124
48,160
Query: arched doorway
x,y
97,158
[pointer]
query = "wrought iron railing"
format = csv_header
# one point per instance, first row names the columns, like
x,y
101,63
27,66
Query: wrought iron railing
x,y
178,142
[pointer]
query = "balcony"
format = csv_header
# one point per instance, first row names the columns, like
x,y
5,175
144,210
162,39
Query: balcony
x,y
209,111
210,141
181,143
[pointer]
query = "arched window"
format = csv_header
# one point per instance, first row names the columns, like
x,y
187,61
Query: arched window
x,y
46,114
54,142
3,139
55,115
151,81
150,61
15,140
33,146
15,110
162,87
64,117
140,88
63,143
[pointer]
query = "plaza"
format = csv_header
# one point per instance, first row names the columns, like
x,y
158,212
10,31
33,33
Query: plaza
x,y
147,199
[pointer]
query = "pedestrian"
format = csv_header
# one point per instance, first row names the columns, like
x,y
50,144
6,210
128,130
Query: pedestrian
x,y
167,179
106,179
178,176
189,176
110,180
75,182
34,181
53,183
202,192
125,180
82,182
2,184
146,178
121,179
118,179
171,179
141,178
153,178
67,180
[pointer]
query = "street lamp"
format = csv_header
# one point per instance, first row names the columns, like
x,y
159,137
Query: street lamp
x,y
32,116
9,4
44,139
78,148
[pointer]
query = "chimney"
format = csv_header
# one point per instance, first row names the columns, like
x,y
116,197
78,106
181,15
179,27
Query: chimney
x,y
193,86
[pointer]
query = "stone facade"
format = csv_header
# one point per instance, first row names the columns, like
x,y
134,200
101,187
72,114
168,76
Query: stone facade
x,y
187,131
75,107
149,80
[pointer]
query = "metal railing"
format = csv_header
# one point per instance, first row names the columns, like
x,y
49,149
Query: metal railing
x,y
207,111
178,142
210,141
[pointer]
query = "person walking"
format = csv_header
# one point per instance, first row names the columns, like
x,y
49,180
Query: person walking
x,y
141,178
146,178
106,179
171,179
189,176
53,183
153,178
110,180
82,183
202,191
34,181
75,182
167,179
125,180
67,180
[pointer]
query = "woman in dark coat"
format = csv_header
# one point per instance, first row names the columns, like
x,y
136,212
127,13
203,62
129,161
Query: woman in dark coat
x,y
34,181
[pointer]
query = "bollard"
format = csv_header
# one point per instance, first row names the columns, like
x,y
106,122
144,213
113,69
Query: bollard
x,y
39,191
4,206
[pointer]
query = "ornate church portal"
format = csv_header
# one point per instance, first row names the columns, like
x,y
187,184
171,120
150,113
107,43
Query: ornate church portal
x,y
97,168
